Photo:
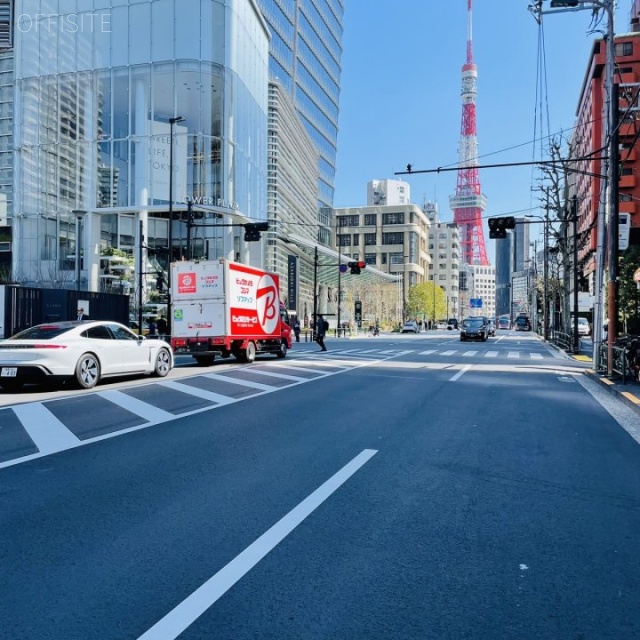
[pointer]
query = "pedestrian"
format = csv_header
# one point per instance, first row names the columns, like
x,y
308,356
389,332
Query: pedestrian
x,y
81,315
162,326
296,329
152,327
321,329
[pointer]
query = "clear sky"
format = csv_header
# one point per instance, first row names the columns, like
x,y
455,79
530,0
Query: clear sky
x,y
400,97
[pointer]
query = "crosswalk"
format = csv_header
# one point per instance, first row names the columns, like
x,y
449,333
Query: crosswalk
x,y
464,353
30,430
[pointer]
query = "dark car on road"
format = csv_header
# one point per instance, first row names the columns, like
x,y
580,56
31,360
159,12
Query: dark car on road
x,y
522,324
475,328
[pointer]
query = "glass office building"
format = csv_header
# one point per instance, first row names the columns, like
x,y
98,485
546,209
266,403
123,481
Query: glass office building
x,y
123,105
306,59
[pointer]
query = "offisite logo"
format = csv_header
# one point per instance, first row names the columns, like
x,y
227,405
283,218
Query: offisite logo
x,y
268,308
186,283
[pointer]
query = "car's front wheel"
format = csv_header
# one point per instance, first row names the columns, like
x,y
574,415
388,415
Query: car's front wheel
x,y
163,363
282,352
87,371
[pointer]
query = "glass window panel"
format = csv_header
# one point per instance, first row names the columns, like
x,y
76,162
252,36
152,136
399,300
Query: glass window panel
x,y
188,31
162,36
139,33
119,27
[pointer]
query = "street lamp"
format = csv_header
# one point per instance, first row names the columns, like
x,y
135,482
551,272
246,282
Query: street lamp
x,y
172,122
79,214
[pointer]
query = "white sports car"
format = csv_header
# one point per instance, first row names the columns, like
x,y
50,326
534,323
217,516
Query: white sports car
x,y
84,352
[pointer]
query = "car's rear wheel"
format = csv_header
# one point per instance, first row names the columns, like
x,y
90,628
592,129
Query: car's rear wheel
x,y
282,352
163,363
88,371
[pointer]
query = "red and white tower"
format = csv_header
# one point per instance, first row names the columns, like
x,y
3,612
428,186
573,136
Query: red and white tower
x,y
469,202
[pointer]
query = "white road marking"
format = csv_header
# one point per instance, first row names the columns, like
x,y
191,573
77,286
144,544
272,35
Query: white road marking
x,y
513,354
461,372
491,354
536,356
244,383
46,431
199,393
449,353
426,353
190,609
139,407
469,353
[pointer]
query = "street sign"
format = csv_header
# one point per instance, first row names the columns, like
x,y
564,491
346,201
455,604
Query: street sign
x,y
475,303
624,227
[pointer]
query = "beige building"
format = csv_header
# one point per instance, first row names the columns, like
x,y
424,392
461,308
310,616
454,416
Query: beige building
x,y
444,250
391,238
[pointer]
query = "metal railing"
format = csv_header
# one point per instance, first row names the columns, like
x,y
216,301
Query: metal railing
x,y
620,366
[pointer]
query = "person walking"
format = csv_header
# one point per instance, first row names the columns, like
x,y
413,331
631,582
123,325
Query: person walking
x,y
152,327
162,326
321,330
82,315
296,329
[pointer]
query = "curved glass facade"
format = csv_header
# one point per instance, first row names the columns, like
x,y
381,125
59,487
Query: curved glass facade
x,y
96,85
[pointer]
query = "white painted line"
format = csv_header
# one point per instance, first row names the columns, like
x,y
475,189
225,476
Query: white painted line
x,y
513,354
190,609
270,374
491,354
449,353
461,372
426,353
469,353
200,393
139,407
536,356
368,350
242,383
46,431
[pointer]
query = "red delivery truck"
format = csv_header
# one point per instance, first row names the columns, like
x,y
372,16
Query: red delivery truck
x,y
224,308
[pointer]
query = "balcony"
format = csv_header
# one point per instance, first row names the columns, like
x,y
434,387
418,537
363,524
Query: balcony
x,y
627,182
627,206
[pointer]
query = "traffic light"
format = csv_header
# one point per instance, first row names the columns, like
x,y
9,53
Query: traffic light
x,y
357,312
252,230
498,226
356,267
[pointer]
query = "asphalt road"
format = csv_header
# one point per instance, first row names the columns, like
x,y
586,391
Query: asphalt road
x,y
400,487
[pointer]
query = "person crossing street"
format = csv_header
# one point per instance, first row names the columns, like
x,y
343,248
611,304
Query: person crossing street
x,y
321,330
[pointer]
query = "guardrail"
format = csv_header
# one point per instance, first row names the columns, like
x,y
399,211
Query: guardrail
x,y
620,365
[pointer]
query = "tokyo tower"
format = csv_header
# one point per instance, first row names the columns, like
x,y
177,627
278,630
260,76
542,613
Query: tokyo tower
x,y
469,202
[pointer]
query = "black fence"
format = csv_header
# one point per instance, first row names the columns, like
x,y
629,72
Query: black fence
x,y
27,306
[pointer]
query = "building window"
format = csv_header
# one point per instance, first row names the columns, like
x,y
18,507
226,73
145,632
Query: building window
x,y
393,218
369,239
370,258
393,238
370,219
344,240
383,258
396,258
349,221
356,239
624,48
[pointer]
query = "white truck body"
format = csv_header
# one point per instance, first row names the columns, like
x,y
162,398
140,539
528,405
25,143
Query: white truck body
x,y
222,308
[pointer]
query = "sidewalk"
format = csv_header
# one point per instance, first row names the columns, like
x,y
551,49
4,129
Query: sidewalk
x,y
628,393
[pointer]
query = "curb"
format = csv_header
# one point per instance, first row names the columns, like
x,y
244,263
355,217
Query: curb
x,y
630,399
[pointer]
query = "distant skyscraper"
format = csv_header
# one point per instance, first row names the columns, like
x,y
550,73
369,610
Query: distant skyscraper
x,y
306,57
469,202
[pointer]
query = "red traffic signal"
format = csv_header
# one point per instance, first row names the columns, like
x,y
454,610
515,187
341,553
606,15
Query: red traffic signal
x,y
356,267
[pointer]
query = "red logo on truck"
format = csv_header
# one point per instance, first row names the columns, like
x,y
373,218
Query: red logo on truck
x,y
268,304
186,283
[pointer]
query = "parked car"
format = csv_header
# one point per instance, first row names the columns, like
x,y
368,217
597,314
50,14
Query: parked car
x,y
474,328
584,329
411,326
84,352
452,324
441,324
522,324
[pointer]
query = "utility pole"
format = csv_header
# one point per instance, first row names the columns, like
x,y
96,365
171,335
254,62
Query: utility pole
x,y
315,291
574,215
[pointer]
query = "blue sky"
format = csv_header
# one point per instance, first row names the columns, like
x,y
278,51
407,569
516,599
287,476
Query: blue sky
x,y
400,97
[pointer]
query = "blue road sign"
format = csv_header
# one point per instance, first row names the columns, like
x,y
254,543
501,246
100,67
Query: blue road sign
x,y
475,303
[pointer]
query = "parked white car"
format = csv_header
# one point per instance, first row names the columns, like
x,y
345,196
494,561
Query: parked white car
x,y
84,352
583,327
